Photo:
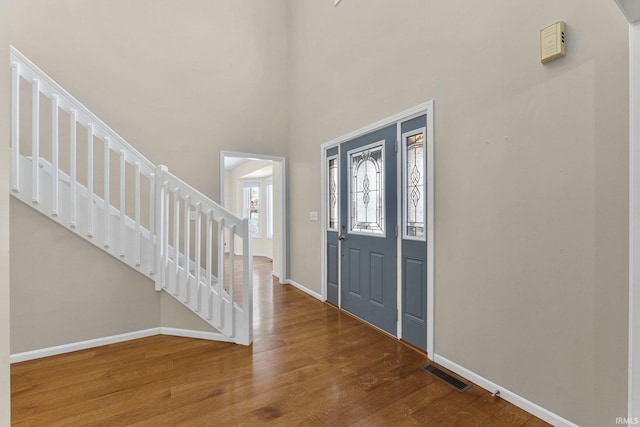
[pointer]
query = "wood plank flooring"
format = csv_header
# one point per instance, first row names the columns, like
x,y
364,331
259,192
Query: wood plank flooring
x,y
310,364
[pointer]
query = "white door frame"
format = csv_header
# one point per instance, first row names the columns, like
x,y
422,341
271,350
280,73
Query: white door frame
x,y
634,221
425,108
282,263
631,10
632,13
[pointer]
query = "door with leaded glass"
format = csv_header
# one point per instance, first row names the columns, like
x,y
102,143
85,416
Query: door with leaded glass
x,y
368,220
379,234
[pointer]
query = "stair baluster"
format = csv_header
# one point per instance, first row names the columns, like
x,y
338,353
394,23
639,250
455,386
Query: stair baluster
x,y
62,198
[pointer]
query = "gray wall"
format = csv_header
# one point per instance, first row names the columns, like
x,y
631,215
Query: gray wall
x,y
5,392
57,301
531,161
531,171
166,76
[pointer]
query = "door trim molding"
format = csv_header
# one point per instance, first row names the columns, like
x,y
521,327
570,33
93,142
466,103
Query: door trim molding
x,y
418,110
424,108
634,225
282,267
431,175
632,13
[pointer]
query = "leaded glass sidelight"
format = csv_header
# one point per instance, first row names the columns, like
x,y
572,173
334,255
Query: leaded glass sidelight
x,y
332,202
414,195
367,190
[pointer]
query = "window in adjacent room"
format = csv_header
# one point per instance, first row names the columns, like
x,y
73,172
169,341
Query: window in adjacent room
x,y
251,206
269,206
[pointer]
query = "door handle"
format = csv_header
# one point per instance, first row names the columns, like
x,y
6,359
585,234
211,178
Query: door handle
x,y
341,237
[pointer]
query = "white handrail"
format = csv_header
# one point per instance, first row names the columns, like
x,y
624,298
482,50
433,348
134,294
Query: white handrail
x,y
84,116
190,279
197,197
188,275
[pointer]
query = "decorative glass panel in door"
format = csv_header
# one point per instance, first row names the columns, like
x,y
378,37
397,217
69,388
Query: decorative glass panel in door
x,y
366,192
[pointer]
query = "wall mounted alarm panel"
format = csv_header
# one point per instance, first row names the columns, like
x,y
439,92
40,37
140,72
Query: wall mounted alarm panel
x,y
552,42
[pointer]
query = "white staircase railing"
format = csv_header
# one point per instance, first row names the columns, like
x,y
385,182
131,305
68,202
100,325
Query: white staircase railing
x,y
73,168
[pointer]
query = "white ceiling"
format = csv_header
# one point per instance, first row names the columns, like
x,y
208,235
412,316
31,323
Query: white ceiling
x,y
234,162
260,173
631,9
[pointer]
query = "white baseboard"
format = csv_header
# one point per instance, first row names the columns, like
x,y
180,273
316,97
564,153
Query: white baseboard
x,y
98,342
263,255
505,394
304,289
279,276
82,345
187,333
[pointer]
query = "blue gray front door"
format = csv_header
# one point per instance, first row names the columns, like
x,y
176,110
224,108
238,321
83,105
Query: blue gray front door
x,y
368,218
364,231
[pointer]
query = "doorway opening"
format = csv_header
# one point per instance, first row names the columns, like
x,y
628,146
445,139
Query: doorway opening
x,y
253,186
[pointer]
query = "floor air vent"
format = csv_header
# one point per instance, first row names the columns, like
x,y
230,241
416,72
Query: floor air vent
x,y
452,381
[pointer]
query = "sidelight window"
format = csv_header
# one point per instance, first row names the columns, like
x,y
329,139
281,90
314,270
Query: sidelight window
x,y
332,196
414,184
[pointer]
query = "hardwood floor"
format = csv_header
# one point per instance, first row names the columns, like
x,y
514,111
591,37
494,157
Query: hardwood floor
x,y
309,365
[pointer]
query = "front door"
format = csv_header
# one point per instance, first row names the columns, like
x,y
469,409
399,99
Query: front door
x,y
368,227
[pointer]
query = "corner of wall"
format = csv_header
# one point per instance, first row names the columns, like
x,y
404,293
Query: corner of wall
x,y
174,315
5,373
